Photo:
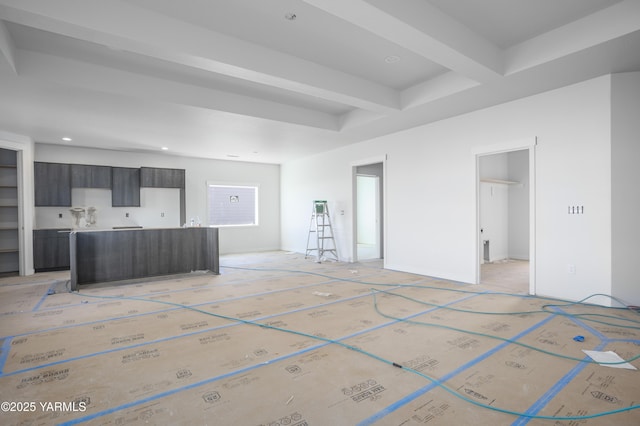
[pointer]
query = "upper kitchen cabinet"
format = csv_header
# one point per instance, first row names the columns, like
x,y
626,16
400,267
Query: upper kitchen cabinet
x,y
125,187
52,184
152,177
84,176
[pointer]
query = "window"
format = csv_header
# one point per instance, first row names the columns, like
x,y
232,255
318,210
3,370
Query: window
x,y
232,205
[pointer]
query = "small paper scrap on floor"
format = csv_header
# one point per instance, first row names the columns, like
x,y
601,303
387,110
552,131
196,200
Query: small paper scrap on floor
x,y
319,293
605,358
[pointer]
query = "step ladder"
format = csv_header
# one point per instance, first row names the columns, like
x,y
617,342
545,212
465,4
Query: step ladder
x,y
321,233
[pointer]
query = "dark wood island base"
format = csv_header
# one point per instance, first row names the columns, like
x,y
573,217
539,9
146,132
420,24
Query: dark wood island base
x,y
124,254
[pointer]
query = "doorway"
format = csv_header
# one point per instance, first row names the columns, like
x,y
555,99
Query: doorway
x,y
505,220
368,212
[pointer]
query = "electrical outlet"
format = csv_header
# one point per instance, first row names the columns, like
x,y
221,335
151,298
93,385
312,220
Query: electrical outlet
x,y
162,214
59,215
571,268
126,215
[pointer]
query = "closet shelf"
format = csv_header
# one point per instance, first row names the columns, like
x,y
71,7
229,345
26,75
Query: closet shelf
x,y
500,181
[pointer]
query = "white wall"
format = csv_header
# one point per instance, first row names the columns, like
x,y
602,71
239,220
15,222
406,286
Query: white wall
x,y
494,220
518,164
625,197
431,189
366,211
494,206
494,166
316,178
265,236
375,169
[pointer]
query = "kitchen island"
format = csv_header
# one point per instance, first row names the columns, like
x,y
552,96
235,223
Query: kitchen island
x,y
124,254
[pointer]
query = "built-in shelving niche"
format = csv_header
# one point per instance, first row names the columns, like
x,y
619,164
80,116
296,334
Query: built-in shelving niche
x,y
9,245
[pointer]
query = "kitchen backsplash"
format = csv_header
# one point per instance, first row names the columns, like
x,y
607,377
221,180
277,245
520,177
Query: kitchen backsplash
x,y
159,208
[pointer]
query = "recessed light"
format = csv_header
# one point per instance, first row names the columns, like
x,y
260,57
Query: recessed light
x,y
290,16
67,139
392,59
164,148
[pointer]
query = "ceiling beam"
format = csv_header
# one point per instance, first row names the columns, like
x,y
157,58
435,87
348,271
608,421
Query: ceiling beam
x,y
600,27
7,48
95,78
357,118
438,87
123,26
426,31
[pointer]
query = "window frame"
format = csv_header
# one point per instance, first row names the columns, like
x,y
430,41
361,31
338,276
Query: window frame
x,y
239,185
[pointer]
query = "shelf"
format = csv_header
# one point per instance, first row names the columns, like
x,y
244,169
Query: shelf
x,y
500,181
8,166
9,205
15,250
7,228
8,186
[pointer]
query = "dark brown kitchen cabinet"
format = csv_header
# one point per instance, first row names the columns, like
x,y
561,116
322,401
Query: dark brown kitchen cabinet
x,y
152,177
107,255
51,249
52,184
125,187
86,176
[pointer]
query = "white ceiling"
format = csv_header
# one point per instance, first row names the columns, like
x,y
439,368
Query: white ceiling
x,y
235,79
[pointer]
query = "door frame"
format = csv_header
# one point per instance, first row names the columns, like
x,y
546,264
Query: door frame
x,y
354,203
528,144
